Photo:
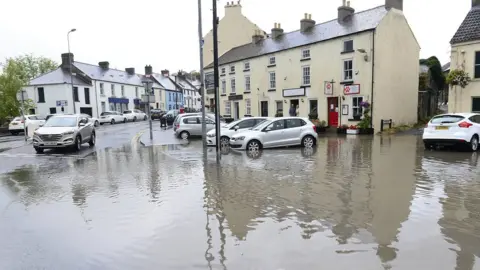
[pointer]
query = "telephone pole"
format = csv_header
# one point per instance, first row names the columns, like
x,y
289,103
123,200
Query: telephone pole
x,y
215,78
202,79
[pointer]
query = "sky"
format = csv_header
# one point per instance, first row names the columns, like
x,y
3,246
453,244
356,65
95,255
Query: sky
x,y
164,34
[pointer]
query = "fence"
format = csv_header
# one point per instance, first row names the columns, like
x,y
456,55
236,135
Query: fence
x,y
427,104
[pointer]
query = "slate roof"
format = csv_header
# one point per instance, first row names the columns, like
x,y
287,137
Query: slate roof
x,y
110,75
165,82
446,67
359,22
469,30
57,76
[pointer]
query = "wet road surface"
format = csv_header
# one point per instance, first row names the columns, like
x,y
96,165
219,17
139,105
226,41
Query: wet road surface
x,y
351,203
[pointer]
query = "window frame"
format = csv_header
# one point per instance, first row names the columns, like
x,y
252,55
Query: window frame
x,y
246,66
344,71
358,107
272,83
76,97
102,89
345,42
476,64
475,97
222,71
247,83
276,105
41,98
86,93
228,109
112,90
224,86
232,69
305,53
272,60
248,106
136,92
122,90
233,86
304,77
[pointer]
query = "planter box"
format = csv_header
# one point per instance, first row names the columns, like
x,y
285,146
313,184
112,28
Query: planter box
x,y
341,131
321,129
352,131
366,131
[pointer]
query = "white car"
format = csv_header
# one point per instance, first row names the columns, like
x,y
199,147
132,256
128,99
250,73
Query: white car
x,y
17,124
112,118
134,115
227,131
277,132
453,129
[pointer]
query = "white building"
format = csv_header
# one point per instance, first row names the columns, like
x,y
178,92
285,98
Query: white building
x,y
189,87
96,88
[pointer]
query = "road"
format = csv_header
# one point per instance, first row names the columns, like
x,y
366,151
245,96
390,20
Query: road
x,y
381,202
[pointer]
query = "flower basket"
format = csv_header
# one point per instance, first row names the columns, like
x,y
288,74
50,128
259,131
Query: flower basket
x,y
342,129
352,131
320,126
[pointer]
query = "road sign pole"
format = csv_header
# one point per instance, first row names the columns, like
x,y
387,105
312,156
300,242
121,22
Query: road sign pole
x,y
23,116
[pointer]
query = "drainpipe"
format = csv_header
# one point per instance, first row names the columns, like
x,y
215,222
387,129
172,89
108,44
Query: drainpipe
x,y
96,98
373,78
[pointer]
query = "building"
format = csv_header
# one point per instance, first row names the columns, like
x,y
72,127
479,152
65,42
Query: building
x,y
96,88
173,96
327,68
465,55
191,96
234,29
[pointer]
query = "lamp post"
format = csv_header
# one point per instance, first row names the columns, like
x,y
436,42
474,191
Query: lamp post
x,y
202,79
71,68
215,76
147,82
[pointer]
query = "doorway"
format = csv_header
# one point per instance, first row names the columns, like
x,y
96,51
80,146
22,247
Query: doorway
x,y
332,105
294,103
236,110
212,105
264,108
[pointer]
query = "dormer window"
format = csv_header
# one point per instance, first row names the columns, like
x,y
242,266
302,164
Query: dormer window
x,y
348,46
232,69
271,61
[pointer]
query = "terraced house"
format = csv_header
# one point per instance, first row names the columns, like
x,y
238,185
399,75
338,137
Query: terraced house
x,y
465,55
327,68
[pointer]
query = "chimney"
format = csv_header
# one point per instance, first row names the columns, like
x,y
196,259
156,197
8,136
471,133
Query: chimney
x,y
232,8
130,71
257,36
398,4
475,3
277,31
345,11
165,73
66,58
148,70
104,65
307,23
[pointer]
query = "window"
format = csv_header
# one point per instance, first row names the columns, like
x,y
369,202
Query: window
x,y
86,91
475,104
356,108
157,105
75,94
112,87
41,95
348,70
271,61
53,110
122,90
273,80
314,106
276,125
477,65
247,83
136,92
102,90
306,75
227,108
169,96
247,123
294,123
248,106
104,108
246,66
279,106
223,70
348,46
305,53
232,84
232,69
224,87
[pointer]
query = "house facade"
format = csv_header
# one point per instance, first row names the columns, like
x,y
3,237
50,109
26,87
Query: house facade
x,y
234,29
327,69
191,96
465,55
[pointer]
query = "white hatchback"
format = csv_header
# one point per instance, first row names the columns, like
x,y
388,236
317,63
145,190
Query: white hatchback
x,y
455,129
112,117
17,124
227,131
277,132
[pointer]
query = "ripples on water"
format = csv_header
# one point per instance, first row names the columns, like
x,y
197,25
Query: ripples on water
x,y
351,203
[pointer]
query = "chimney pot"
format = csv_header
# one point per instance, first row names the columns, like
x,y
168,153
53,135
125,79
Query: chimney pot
x,y
257,36
307,23
396,4
148,70
345,12
276,31
104,65
66,58
130,71
165,72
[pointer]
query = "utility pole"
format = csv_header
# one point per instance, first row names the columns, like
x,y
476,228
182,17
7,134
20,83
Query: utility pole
x,y
215,78
202,79
71,69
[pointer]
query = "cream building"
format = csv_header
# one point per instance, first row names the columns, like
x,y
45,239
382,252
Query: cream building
x,y
466,55
328,68
234,29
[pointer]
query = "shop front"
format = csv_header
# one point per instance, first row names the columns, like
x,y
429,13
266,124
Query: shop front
x,y
295,98
118,104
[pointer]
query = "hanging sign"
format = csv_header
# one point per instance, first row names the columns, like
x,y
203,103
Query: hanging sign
x,y
328,88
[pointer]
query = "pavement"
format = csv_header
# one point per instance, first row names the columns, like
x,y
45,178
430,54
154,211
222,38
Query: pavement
x,y
160,137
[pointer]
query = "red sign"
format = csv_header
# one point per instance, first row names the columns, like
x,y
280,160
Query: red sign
x,y
328,88
352,89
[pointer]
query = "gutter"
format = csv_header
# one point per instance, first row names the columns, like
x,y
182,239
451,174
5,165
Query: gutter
x,y
373,77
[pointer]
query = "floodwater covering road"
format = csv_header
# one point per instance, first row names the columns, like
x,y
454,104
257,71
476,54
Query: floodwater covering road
x,y
351,203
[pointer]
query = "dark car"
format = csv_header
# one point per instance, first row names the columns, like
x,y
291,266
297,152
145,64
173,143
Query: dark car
x,y
170,116
157,114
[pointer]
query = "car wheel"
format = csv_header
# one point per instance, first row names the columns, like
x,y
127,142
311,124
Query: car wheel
x,y
224,140
39,150
145,118
78,143
93,139
253,145
474,143
124,120
97,124
112,122
308,141
184,135
134,119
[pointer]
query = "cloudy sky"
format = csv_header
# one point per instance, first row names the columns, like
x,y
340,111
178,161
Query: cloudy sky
x,y
164,33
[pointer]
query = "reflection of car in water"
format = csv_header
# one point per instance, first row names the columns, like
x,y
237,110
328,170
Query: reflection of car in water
x,y
449,164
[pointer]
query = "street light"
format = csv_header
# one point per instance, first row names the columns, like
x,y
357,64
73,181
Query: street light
x,y
71,67
147,82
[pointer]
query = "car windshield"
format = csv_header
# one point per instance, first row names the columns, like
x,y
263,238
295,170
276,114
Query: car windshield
x,y
261,125
61,122
446,119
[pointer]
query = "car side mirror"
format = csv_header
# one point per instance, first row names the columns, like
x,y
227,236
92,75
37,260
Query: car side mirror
x,y
41,125
236,128
81,124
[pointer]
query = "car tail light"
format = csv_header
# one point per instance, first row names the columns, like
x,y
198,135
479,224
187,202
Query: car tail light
x,y
178,126
314,128
465,124
23,121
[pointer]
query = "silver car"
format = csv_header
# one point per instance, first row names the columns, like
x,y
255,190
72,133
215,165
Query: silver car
x,y
64,131
192,126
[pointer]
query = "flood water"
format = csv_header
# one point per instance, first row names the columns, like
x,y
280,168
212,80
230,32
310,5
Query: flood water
x,y
355,203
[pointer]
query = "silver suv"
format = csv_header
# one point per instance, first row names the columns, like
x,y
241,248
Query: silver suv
x,y
62,131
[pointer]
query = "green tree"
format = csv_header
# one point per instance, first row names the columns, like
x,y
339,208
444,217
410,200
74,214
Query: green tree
x,y
436,72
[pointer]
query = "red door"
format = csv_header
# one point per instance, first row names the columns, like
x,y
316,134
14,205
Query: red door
x,y
332,111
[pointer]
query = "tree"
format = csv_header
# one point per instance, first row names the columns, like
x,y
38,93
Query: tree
x,y
436,72
16,73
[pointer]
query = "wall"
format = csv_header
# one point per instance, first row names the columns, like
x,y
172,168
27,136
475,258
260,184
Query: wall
x,y
130,93
234,29
460,100
396,71
56,92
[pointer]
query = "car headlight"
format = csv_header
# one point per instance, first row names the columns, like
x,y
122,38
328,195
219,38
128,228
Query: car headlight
x,y
68,132
36,133
239,138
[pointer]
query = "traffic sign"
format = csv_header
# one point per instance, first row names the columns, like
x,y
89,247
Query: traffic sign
x,y
61,103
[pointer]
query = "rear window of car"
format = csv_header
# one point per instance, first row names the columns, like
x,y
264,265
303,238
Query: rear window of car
x,y
127,111
105,113
191,120
17,119
446,119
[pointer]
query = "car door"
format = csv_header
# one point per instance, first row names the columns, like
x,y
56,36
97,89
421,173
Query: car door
x,y
119,117
209,123
84,131
274,134
475,119
293,130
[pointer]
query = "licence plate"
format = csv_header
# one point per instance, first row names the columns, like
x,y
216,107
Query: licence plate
x,y
14,124
50,143
441,128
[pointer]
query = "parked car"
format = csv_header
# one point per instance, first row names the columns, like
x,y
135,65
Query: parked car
x,y
227,131
170,116
192,126
17,124
93,120
134,115
454,129
277,132
64,131
112,118
157,114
